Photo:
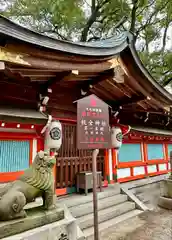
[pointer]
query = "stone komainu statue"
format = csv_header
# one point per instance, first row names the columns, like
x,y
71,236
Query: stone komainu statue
x,y
36,181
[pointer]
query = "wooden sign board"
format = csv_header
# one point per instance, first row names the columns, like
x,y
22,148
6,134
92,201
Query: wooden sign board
x,y
93,130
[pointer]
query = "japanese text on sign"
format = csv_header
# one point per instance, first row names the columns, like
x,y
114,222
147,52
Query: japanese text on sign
x,y
93,123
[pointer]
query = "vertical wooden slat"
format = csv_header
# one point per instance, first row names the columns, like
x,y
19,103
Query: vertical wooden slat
x,y
89,164
76,166
74,141
66,172
79,163
85,164
71,172
67,140
61,172
58,172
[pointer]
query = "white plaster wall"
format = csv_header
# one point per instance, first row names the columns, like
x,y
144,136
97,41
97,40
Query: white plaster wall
x,y
152,168
123,172
162,167
138,170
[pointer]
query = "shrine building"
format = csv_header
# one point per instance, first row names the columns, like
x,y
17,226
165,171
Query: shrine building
x,y
36,68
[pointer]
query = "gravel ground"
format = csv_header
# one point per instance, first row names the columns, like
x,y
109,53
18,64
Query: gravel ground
x,y
152,225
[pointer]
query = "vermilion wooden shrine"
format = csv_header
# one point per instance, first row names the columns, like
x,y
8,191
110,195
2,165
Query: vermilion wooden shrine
x,y
34,65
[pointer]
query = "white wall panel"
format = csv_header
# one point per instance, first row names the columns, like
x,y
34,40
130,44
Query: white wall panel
x,y
138,170
152,168
162,167
123,172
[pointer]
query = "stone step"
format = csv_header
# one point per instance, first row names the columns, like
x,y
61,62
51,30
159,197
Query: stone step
x,y
82,199
106,214
105,226
87,208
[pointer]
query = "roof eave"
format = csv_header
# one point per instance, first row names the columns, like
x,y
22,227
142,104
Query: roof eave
x,y
109,47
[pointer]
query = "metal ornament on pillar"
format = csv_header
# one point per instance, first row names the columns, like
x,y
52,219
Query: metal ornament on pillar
x,y
53,136
116,137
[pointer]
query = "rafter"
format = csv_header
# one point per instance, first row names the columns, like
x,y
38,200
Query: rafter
x,y
93,81
125,101
53,81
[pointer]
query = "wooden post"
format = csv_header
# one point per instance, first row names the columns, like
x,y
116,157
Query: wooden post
x,y
165,148
96,227
145,158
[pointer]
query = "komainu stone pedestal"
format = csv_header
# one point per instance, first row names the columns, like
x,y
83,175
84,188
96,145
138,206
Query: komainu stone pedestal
x,y
36,217
165,200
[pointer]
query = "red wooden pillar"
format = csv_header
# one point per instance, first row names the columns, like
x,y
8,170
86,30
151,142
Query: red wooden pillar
x,y
40,144
31,152
114,164
107,172
165,151
145,158
131,171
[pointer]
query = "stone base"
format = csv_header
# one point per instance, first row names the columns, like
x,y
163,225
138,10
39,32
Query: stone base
x,y
61,230
165,203
165,200
36,217
166,188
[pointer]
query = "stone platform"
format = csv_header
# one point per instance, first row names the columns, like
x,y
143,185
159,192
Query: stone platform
x,y
165,200
36,217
